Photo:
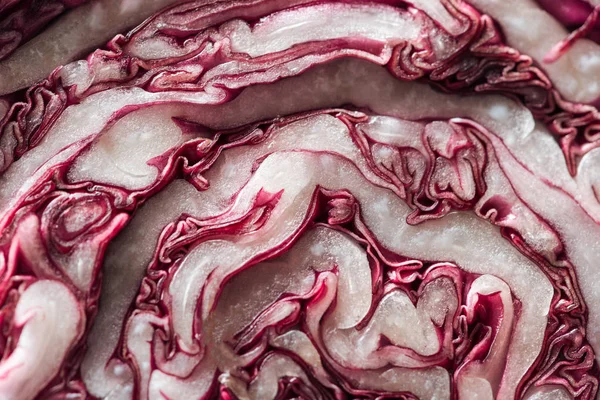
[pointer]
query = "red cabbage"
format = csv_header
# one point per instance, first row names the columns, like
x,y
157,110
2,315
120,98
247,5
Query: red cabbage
x,y
268,199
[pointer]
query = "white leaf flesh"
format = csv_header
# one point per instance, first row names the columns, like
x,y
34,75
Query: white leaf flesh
x,y
532,31
547,392
439,13
297,342
120,156
76,124
204,14
282,30
541,154
4,107
51,320
175,388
